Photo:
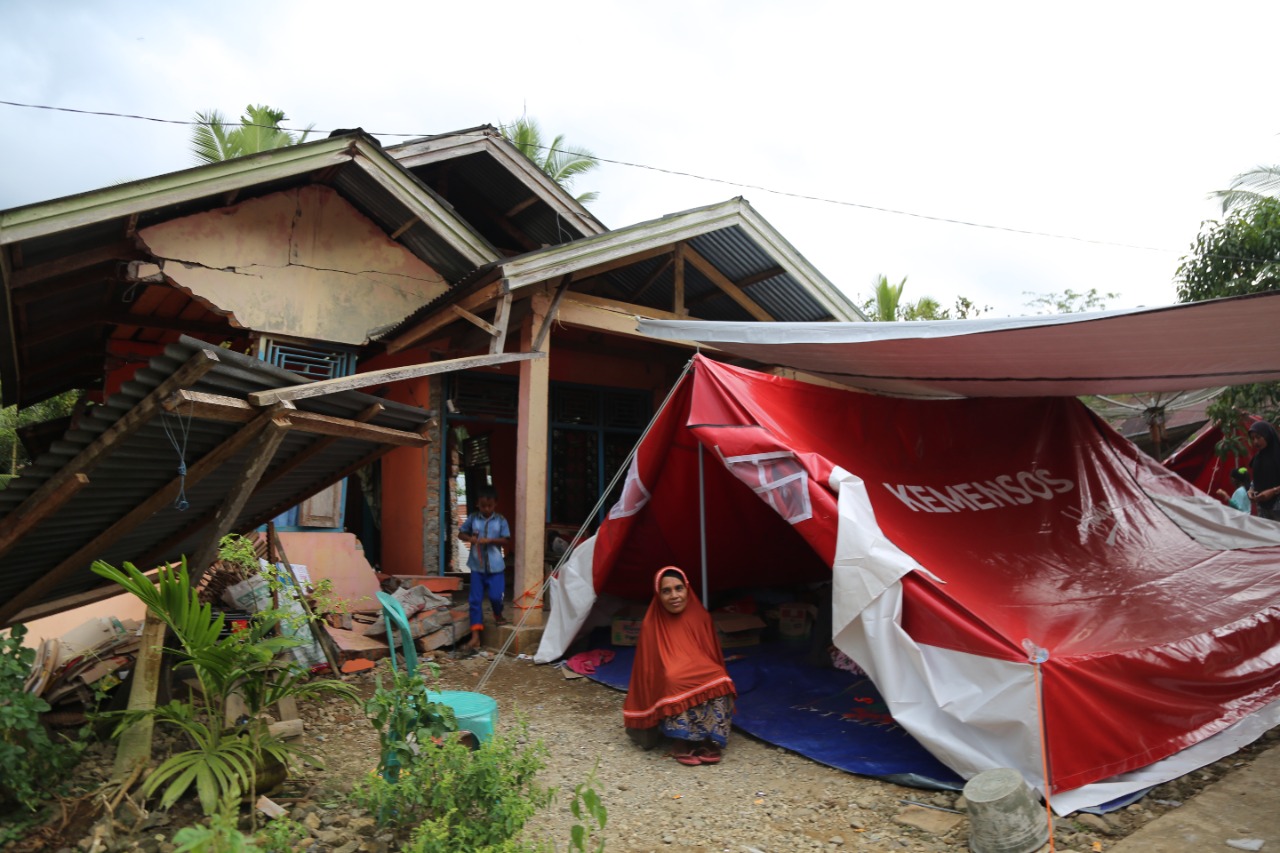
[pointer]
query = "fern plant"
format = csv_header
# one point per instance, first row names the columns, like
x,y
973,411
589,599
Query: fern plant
x,y
224,762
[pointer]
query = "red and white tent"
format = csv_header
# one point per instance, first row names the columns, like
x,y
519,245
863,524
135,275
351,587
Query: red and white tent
x,y
965,538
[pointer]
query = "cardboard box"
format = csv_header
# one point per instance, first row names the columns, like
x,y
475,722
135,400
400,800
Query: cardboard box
x,y
626,626
738,629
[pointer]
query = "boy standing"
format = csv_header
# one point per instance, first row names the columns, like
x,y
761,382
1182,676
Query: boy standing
x,y
488,533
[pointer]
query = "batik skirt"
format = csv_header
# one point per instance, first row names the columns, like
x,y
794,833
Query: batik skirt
x,y
708,721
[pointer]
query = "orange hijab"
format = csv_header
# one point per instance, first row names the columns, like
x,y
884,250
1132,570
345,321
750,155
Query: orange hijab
x,y
678,662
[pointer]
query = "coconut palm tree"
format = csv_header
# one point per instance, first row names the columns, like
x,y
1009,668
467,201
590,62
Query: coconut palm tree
x,y
213,140
561,161
884,303
1249,187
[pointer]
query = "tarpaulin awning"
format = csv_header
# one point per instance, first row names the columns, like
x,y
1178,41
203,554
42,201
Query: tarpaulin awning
x,y
1197,345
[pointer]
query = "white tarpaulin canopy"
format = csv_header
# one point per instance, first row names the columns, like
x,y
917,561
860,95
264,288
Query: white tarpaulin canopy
x,y
1198,345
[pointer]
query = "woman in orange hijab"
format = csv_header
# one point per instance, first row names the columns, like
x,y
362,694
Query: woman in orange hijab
x,y
678,682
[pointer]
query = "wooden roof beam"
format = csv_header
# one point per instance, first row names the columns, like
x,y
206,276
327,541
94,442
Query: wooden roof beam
x,y
123,250
84,555
437,321
261,453
652,279
382,377
149,406
215,407
721,281
23,519
744,283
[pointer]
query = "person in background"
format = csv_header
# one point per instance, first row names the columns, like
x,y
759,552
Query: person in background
x,y
678,682
488,533
1266,469
1239,499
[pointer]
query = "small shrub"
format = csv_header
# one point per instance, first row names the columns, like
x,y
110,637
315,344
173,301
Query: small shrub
x,y
450,797
30,761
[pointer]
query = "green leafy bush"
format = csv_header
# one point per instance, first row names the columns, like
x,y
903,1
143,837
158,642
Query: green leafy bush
x,y
404,718
450,797
30,760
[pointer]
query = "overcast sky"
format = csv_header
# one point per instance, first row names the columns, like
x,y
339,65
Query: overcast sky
x,y
1107,121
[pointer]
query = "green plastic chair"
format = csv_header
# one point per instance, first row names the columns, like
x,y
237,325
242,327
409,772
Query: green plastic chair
x,y
393,616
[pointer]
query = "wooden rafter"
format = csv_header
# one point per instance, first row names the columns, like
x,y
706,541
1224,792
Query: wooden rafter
x,y
487,327
721,281
501,316
317,447
440,319
216,407
744,283
545,328
84,462
520,207
652,279
206,465
24,518
262,450
382,377
124,250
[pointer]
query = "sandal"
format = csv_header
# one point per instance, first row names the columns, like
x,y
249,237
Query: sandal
x,y
689,759
707,755
500,621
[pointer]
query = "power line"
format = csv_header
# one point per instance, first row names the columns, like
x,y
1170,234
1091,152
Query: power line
x,y
659,169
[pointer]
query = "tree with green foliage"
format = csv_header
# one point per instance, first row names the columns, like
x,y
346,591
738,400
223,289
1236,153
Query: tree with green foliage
x,y
1239,255
1068,302
12,454
1248,188
561,161
886,305
213,140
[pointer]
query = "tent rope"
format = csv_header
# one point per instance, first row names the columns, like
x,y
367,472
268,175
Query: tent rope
x,y
581,534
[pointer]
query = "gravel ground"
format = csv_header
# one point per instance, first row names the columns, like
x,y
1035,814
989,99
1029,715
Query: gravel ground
x,y
759,799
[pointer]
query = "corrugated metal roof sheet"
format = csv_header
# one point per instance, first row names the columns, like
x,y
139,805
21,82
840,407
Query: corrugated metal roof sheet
x,y
141,464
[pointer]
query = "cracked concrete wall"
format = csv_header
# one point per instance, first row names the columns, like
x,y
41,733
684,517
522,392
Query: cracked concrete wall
x,y
302,263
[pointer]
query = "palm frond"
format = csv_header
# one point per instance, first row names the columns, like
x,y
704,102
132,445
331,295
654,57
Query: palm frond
x,y
1249,187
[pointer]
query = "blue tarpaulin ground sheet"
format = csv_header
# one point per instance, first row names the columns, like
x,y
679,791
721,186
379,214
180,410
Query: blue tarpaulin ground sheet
x,y
828,715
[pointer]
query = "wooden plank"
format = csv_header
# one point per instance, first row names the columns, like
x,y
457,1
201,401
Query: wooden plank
x,y
216,407
342,428
677,283
382,377
263,449
124,250
206,465
188,374
317,628
545,328
744,283
432,324
168,324
624,260
316,447
521,206
61,285
134,748
721,281
24,518
501,317
488,327
395,235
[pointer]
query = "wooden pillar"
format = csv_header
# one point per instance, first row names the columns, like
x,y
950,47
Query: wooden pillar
x,y
134,747
531,466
